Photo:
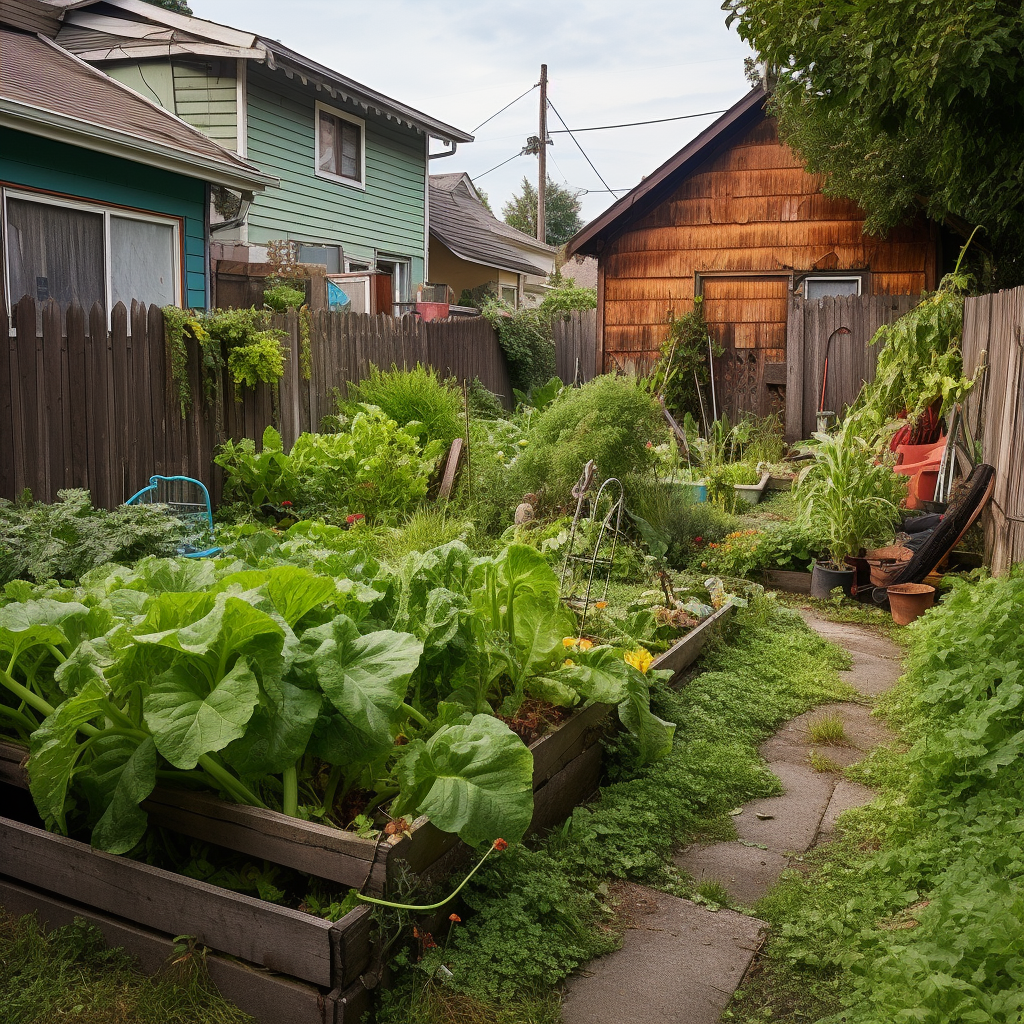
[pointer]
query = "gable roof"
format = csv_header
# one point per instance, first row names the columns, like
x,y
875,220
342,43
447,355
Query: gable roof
x,y
44,90
460,221
104,30
658,185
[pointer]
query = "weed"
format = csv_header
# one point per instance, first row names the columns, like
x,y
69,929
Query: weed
x,y
824,764
828,730
713,892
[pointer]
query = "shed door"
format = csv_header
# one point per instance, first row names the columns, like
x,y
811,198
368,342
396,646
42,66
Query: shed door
x,y
748,316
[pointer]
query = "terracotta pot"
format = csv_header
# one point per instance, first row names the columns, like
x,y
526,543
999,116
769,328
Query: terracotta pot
x,y
886,563
907,601
825,580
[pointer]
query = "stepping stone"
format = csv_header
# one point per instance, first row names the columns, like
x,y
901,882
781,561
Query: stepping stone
x,y
746,872
792,743
846,796
876,660
679,964
795,816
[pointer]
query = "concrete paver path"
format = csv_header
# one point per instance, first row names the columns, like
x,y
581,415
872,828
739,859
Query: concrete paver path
x,y
680,963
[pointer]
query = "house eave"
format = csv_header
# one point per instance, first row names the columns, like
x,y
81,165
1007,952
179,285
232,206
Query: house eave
x,y
61,128
492,264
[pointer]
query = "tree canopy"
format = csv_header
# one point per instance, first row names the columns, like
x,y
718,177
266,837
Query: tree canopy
x,y
904,104
561,212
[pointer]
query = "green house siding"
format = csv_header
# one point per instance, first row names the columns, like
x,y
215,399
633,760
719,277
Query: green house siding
x,y
387,217
35,162
203,94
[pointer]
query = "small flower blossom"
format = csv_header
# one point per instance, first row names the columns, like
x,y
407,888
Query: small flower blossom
x,y
455,919
500,844
568,663
640,659
286,504
600,604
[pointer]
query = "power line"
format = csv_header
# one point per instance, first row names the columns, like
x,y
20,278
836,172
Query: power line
x,y
632,124
578,146
477,177
503,109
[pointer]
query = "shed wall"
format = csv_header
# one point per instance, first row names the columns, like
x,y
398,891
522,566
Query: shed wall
x,y
752,207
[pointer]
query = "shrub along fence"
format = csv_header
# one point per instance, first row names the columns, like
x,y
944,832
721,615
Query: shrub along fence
x,y
994,341
84,405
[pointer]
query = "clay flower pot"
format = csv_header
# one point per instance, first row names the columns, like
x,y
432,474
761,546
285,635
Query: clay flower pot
x,y
909,600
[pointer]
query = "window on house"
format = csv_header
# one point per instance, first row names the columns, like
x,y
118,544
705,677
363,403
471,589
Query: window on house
x,y
328,256
401,275
820,287
340,152
509,292
82,252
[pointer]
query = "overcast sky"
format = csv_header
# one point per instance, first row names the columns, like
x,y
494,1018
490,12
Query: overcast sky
x,y
608,63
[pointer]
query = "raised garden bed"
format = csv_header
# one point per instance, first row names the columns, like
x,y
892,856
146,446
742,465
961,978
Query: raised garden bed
x,y
791,582
682,654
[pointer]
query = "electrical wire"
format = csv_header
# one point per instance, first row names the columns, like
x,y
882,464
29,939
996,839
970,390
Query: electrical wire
x,y
503,109
632,124
578,146
477,177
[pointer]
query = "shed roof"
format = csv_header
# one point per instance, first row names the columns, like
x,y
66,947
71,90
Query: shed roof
x,y
658,185
44,90
462,222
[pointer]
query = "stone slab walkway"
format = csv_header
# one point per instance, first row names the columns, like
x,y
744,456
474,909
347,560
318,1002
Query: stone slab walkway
x,y
680,963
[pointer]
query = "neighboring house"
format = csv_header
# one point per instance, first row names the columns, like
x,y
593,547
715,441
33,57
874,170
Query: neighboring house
x,y
103,194
581,271
352,162
735,217
472,251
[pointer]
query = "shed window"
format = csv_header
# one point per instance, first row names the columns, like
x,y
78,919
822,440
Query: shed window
x,y
339,146
820,287
82,252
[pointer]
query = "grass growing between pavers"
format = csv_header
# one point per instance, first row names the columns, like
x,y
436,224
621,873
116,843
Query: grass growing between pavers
x,y
917,912
542,910
69,974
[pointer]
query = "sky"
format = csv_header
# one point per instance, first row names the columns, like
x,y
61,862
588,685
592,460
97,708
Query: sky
x,y
608,63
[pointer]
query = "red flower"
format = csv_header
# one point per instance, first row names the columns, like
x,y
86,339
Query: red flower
x,y
500,844
454,918
649,445
354,518
286,504
698,540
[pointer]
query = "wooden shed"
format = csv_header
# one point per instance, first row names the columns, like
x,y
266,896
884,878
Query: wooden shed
x,y
735,217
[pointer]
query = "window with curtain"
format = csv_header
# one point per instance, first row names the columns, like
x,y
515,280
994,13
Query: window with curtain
x,y
54,252
78,252
339,146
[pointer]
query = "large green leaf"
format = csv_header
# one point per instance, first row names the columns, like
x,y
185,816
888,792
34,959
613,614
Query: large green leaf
x,y
337,741
188,720
54,752
277,733
88,662
365,677
653,734
524,570
124,822
36,623
293,590
540,627
475,779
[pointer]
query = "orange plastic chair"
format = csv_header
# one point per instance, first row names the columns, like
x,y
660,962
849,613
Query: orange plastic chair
x,y
921,463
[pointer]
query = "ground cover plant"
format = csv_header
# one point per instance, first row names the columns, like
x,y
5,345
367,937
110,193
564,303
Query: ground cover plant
x,y
917,914
545,908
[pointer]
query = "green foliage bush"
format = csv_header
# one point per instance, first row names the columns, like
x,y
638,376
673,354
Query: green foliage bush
x,y
525,338
611,420
282,297
39,541
417,396
563,300
684,353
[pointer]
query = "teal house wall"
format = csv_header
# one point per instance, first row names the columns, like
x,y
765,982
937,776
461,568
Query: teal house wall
x,y
388,216
35,162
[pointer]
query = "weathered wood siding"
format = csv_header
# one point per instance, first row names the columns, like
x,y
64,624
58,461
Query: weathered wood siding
x,y
387,216
750,208
994,339
576,346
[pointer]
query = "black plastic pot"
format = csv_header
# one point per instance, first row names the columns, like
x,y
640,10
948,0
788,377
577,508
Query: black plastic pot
x,y
825,580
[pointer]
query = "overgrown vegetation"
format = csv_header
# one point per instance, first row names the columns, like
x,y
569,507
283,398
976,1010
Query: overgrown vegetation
x,y
525,338
918,912
683,366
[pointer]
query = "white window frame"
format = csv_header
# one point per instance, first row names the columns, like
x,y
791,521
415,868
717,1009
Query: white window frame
x,y
833,277
107,212
361,125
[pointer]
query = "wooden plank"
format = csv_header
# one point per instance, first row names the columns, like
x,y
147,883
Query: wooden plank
x,y
13,758
451,469
352,944
121,437
552,751
306,846
269,998
274,937
76,406
565,791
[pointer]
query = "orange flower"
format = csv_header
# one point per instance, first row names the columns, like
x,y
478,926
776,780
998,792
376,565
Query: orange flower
x,y
454,918
500,844
600,604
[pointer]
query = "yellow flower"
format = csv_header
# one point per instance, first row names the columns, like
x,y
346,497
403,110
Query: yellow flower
x,y
640,659
568,663
577,645
585,644
568,641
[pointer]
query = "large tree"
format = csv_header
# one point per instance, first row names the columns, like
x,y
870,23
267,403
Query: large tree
x,y
904,104
561,212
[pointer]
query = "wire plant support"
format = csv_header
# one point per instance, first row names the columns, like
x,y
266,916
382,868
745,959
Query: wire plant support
x,y
593,560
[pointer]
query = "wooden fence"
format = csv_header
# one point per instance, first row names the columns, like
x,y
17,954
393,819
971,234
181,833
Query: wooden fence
x,y
576,346
851,359
85,406
994,340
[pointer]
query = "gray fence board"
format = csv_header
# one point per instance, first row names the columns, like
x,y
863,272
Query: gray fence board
x,y
576,346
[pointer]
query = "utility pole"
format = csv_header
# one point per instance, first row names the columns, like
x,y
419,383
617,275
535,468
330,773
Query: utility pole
x,y
542,152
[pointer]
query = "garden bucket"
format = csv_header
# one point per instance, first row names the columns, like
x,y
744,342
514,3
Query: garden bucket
x,y
694,491
824,581
907,601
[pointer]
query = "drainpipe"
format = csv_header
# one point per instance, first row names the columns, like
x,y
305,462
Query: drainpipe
x,y
441,156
